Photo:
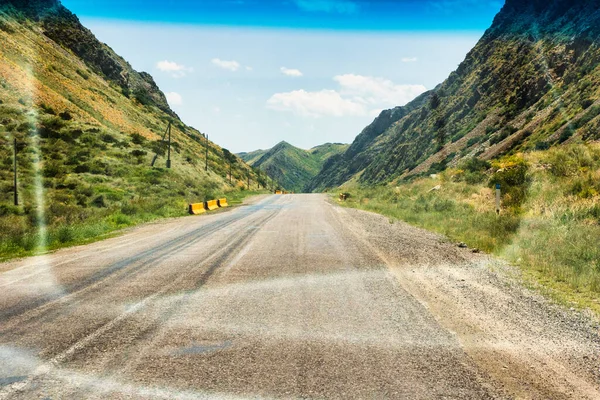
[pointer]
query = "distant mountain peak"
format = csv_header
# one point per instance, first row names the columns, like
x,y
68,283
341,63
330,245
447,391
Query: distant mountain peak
x,y
291,166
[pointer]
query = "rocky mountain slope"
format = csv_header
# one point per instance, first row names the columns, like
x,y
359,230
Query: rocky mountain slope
x,y
291,167
531,82
87,127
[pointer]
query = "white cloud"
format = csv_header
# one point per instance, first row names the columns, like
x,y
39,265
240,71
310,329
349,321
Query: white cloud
x,y
410,59
357,96
329,6
229,65
315,104
174,69
378,91
291,72
174,99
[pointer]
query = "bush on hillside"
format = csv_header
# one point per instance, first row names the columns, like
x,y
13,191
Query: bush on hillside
x,y
514,179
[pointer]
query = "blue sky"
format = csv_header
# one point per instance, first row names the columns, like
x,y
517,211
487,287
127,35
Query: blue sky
x,y
252,73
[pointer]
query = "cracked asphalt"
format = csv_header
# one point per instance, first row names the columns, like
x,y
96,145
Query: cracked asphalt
x,y
286,297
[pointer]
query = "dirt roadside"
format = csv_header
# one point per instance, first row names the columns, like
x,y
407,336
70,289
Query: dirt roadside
x,y
529,346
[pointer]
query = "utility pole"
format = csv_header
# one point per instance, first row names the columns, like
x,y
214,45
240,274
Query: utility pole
x,y
169,151
230,174
167,132
206,156
15,172
248,179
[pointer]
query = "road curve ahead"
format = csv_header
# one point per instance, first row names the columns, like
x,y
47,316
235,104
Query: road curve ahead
x,y
288,297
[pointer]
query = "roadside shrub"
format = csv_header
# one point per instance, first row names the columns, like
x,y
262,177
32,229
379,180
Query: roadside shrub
x,y
472,171
566,134
129,209
54,169
472,142
49,127
584,187
138,153
65,115
83,74
475,164
136,138
47,109
121,220
65,234
6,209
514,180
569,160
543,145
108,138
99,202
89,139
82,168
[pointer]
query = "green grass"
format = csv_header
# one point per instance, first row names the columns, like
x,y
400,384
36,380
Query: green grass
x,y
549,225
20,238
86,149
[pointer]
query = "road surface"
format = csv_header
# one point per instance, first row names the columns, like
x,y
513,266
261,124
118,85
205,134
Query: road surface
x,y
288,297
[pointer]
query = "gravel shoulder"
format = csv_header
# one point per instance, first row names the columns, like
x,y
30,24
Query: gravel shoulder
x,y
286,297
529,346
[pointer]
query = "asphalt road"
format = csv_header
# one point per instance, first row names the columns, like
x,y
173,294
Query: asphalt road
x,y
287,297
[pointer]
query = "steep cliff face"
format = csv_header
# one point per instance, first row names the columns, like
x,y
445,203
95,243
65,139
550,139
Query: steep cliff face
x,y
64,28
341,167
530,82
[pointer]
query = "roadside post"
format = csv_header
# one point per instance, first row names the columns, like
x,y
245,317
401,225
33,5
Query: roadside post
x,y
169,149
498,198
206,154
16,192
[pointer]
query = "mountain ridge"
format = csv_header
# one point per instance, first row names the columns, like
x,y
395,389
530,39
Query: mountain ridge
x,y
87,128
530,82
290,166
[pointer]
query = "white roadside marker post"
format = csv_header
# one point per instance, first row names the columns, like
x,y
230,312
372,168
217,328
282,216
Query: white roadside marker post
x,y
498,198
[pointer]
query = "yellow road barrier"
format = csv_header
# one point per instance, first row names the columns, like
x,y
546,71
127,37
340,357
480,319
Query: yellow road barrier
x,y
197,209
222,203
212,205
278,192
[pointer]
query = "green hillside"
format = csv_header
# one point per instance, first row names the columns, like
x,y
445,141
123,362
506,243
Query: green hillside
x,y
87,127
291,167
532,82
252,157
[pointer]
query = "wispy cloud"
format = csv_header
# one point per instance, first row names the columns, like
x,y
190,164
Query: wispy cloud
x,y
377,91
174,98
174,69
328,6
315,104
409,59
357,96
228,65
291,72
